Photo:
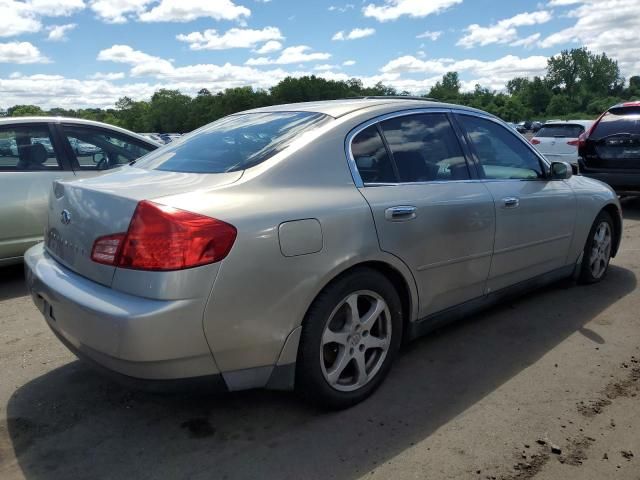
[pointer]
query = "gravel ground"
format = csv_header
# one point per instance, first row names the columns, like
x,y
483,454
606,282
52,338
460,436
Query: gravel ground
x,y
545,387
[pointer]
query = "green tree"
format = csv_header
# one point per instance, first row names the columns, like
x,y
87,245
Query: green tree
x,y
448,89
25,111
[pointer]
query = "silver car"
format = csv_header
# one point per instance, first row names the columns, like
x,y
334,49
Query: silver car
x,y
297,246
35,151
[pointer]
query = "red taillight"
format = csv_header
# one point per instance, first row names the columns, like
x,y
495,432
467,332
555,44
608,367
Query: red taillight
x,y
105,249
166,238
534,141
575,142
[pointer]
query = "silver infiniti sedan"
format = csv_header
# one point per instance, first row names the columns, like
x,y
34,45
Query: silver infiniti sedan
x,y
297,246
36,151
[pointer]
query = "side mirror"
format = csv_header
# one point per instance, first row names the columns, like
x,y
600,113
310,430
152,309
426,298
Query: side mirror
x,y
561,171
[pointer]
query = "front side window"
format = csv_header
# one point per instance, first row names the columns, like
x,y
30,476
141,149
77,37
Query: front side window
x,y
425,148
26,148
370,155
501,154
97,149
234,143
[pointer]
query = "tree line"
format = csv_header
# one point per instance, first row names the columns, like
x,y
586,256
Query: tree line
x,y
577,84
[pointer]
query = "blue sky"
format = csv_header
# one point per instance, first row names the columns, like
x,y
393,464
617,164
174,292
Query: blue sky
x,y
75,53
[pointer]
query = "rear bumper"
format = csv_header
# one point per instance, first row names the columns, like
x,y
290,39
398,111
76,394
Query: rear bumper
x,y
620,182
129,335
560,157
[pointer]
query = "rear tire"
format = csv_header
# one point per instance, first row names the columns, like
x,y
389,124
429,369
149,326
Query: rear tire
x,y
597,251
350,337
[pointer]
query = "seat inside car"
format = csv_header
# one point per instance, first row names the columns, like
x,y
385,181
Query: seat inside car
x,y
413,168
32,157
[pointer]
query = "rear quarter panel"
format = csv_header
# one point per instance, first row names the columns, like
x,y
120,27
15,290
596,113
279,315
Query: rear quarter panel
x,y
260,296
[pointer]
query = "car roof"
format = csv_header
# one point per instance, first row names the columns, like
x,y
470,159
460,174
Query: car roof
x,y
75,121
584,123
339,108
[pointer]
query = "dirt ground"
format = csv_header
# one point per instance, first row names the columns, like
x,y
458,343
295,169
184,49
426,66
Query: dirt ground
x,y
546,387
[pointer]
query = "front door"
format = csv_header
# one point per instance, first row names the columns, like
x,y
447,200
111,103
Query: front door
x,y
535,216
426,209
29,164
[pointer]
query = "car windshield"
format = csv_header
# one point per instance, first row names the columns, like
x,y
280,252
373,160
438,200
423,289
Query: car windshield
x,y
620,120
234,143
562,131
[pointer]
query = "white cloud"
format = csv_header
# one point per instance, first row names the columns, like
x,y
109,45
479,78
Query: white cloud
x,y
142,64
107,76
118,11
430,35
324,67
349,63
505,31
269,47
394,9
58,33
21,52
354,34
233,38
189,10
346,7
20,17
609,26
296,54
527,42
492,73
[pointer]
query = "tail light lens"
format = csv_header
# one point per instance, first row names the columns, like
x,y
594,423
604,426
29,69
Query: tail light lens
x,y
535,141
164,238
575,142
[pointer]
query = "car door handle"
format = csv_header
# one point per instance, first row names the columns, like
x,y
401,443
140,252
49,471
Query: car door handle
x,y
511,202
400,213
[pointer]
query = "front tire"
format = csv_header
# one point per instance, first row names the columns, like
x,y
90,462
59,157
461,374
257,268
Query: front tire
x,y
597,251
350,337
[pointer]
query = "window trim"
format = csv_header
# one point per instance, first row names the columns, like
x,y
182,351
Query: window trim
x,y
544,163
403,113
75,164
63,164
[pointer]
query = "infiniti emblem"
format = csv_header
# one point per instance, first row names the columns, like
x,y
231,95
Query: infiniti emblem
x,y
65,217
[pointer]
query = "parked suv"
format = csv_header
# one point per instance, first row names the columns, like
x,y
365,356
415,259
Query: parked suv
x,y
610,150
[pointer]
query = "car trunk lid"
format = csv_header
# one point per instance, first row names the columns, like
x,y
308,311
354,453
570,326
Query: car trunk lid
x,y
82,211
558,139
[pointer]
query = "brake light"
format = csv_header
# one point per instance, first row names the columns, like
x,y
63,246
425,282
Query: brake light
x,y
575,142
105,249
164,238
534,141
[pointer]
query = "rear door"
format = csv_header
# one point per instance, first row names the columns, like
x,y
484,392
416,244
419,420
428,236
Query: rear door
x,y
427,208
30,160
535,216
614,143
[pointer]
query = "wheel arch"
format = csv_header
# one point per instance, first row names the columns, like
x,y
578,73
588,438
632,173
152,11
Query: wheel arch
x,y
616,215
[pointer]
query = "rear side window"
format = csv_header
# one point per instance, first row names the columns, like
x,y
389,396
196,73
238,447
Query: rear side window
x,y
501,154
371,157
620,120
27,148
234,143
425,148
97,149
560,131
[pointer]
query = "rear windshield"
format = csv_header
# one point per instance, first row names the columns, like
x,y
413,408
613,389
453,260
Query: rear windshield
x,y
234,143
620,120
570,130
